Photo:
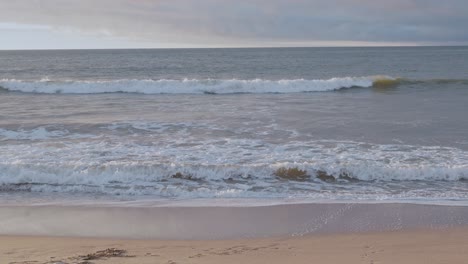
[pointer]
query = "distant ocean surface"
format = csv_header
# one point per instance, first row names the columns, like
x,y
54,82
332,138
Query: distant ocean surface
x,y
284,124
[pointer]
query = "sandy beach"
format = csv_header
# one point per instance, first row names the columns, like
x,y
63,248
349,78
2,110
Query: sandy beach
x,y
421,246
285,233
220,222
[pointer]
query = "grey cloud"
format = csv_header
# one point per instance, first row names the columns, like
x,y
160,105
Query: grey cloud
x,y
226,21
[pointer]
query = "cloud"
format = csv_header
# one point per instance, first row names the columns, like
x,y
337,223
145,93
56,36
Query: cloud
x,y
250,22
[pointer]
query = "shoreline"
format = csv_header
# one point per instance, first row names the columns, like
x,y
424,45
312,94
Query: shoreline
x,y
224,222
71,201
423,246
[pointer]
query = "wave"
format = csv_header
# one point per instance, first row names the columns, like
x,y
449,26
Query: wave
x,y
201,181
233,168
134,173
194,86
213,86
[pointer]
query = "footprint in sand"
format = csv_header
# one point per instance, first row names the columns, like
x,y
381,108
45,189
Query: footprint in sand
x,y
197,256
369,255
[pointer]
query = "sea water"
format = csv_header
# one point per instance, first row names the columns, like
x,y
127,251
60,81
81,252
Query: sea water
x,y
280,124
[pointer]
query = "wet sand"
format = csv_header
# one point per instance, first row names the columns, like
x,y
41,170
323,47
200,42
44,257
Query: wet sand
x,y
288,233
224,222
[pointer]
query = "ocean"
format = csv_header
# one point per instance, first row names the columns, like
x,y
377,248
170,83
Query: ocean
x,y
253,125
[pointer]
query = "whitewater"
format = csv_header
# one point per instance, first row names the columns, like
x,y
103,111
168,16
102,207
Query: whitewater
x,y
192,86
270,125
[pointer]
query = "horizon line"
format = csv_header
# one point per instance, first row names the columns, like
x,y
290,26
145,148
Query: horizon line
x,y
242,47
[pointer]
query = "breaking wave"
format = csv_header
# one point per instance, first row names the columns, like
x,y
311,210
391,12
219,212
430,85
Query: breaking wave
x,y
212,169
194,86
228,181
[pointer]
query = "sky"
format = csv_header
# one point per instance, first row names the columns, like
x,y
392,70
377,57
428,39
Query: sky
x,y
85,24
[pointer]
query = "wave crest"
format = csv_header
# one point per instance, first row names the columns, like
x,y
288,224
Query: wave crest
x,y
191,86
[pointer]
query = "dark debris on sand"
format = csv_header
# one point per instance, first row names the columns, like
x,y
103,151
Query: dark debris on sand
x,y
103,254
86,259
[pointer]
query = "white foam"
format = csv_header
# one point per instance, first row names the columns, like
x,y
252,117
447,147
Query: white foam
x,y
232,168
188,86
39,133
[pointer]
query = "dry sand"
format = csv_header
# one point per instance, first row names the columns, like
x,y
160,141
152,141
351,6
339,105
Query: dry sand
x,y
421,246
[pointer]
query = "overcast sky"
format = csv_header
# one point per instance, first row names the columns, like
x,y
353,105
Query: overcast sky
x,y
55,24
